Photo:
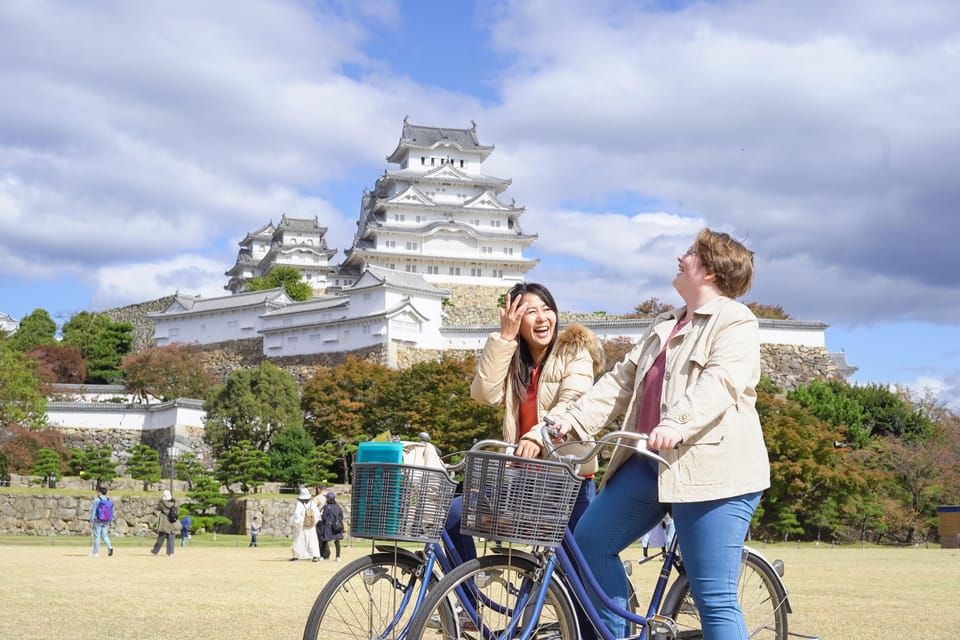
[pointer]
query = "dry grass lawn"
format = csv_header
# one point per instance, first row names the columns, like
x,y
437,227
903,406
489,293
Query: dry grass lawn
x,y
225,590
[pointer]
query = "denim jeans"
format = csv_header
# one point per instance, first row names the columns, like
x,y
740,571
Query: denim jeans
x,y
711,542
101,530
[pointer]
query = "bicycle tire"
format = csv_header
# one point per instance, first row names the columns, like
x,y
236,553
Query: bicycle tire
x,y
499,581
363,600
759,592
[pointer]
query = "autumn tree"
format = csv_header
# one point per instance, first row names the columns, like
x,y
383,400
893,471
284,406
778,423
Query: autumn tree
x,y
102,342
290,278
651,307
167,372
19,446
768,311
615,349
253,405
58,363
21,398
144,465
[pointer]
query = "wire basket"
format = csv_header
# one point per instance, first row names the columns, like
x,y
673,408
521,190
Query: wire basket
x,y
513,499
399,502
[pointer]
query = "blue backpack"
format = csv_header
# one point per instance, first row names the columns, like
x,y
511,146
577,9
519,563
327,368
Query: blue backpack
x,y
105,509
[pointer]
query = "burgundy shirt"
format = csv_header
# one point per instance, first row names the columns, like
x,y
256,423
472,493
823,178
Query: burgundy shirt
x,y
648,414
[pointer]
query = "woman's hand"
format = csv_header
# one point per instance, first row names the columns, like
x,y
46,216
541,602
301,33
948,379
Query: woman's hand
x,y
527,449
510,317
663,438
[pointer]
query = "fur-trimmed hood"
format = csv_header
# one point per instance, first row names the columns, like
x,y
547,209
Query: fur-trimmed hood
x,y
575,337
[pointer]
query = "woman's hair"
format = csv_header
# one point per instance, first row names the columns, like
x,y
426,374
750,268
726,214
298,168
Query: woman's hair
x,y
521,366
729,260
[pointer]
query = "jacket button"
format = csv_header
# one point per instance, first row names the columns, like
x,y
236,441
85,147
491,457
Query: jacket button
x,y
666,376
684,417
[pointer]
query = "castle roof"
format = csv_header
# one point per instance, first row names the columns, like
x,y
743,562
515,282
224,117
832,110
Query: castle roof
x,y
416,136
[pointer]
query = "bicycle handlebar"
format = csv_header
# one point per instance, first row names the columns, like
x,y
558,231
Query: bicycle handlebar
x,y
615,438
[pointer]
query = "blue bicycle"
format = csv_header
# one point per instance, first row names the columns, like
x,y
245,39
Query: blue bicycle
x,y
528,502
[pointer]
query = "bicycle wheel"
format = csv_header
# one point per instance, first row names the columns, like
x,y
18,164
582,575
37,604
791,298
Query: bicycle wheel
x,y
761,596
371,597
495,584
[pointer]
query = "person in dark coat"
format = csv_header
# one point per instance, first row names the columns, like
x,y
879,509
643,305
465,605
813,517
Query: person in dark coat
x,y
166,530
332,513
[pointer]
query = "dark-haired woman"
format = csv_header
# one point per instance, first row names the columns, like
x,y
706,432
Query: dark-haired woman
x,y
534,369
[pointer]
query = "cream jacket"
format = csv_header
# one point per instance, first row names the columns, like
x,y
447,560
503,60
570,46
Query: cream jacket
x,y
567,372
709,396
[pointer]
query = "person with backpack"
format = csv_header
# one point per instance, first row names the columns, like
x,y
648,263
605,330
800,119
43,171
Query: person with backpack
x,y
168,523
331,526
101,519
304,520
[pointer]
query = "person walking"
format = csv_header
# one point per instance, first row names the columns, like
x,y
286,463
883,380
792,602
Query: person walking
x,y
254,531
304,519
690,385
331,526
101,519
185,523
168,523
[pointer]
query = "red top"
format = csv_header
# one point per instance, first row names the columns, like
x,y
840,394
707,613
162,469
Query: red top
x,y
528,418
648,414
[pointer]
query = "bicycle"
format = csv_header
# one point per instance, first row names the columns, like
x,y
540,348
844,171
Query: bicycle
x,y
376,596
511,587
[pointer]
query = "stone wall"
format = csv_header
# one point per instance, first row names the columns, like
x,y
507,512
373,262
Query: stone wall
x,y
136,314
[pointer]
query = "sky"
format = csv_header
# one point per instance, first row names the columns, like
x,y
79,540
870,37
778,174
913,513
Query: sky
x,y
140,142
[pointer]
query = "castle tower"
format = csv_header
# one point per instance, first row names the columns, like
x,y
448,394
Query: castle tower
x,y
295,242
440,216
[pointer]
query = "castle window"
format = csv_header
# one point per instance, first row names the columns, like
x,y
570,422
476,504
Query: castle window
x,y
454,271
432,161
423,160
486,249
508,251
475,272
433,270
498,273
411,246
461,164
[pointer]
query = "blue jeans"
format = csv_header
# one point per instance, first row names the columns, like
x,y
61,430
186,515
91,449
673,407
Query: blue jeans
x,y
465,545
711,542
101,530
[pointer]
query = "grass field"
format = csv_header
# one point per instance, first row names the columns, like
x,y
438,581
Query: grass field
x,y
51,588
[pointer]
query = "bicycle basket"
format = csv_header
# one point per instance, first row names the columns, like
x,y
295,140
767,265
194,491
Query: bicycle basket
x,y
399,502
513,499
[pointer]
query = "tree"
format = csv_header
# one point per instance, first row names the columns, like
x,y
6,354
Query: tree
x,y
242,463
58,363
831,402
615,349
94,463
144,465
651,307
21,398
47,467
102,342
166,372
21,444
35,330
290,278
206,504
291,456
188,468
252,405
767,311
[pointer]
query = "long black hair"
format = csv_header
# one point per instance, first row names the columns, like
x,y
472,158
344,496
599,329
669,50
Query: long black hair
x,y
522,364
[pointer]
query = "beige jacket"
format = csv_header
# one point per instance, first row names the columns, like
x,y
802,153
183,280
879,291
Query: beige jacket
x,y
567,372
709,396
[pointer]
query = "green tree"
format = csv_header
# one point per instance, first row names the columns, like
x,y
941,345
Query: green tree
x,y
242,464
47,467
166,372
290,278
94,463
21,397
102,342
331,462
206,504
252,405
833,403
35,330
144,465
291,456
188,468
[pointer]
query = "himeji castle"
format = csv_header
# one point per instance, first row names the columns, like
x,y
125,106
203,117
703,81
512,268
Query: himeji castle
x,y
436,243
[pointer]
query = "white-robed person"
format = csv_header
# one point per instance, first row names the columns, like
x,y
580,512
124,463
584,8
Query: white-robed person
x,y
305,545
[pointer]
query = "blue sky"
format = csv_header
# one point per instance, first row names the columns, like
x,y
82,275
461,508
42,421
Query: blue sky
x,y
140,142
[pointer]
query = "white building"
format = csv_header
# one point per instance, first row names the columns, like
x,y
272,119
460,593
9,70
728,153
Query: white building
x,y
7,324
439,215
